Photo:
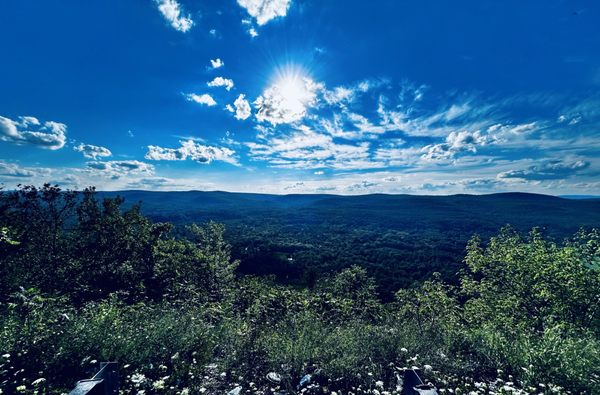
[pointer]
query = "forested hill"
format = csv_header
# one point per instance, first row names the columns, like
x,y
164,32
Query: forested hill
x,y
478,212
398,238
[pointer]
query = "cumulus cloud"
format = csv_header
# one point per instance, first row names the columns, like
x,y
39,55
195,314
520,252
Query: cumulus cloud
x,y
174,14
242,107
189,149
550,170
204,99
265,10
30,131
119,168
92,151
286,101
216,63
220,81
455,143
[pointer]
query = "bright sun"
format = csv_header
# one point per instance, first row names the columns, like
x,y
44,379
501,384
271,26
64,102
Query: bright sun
x,y
294,88
289,96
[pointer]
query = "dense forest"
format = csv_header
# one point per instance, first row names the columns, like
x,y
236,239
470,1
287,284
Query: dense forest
x,y
399,239
209,297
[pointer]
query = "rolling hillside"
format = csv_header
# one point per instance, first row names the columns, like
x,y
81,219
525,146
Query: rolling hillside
x,y
398,238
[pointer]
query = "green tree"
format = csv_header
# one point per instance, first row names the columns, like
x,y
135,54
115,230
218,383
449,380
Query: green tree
x,y
39,218
532,283
113,249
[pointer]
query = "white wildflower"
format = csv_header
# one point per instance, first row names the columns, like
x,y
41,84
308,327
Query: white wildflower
x,y
138,378
159,384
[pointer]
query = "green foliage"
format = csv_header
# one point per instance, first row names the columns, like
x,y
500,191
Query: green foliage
x,y
401,240
530,284
527,306
5,237
98,282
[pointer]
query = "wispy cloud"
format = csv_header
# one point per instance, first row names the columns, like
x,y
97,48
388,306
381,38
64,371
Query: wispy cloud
x,y
154,183
120,168
13,170
204,99
550,170
304,148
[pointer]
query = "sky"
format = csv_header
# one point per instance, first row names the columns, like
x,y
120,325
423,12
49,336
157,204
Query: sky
x,y
299,96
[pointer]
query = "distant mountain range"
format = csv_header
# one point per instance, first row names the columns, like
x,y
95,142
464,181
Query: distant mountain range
x,y
524,210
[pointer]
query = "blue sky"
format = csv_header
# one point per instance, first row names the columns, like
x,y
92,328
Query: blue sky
x,y
297,96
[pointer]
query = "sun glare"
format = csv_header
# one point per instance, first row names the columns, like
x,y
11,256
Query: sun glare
x,y
293,87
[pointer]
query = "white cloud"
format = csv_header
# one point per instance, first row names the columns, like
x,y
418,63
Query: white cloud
x,y
339,95
265,10
205,99
154,183
455,143
549,170
92,151
119,168
252,32
220,81
173,13
287,100
304,148
242,108
13,170
30,131
194,151
216,63
363,186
